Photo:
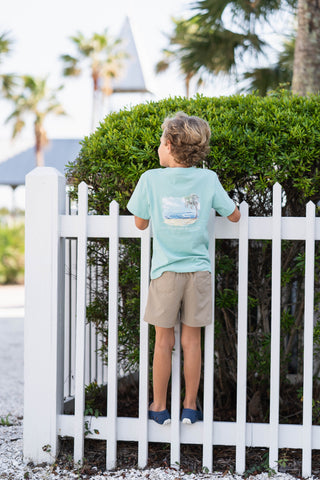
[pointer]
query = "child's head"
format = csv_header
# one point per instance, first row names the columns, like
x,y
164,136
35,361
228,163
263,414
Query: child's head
x,y
189,138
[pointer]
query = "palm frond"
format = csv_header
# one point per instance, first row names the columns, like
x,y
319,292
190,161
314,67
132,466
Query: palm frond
x,y
263,80
184,31
162,66
18,127
243,11
8,84
215,50
5,44
71,66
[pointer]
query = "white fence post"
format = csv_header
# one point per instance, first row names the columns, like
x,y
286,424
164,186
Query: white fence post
x,y
44,308
308,340
81,324
275,328
113,337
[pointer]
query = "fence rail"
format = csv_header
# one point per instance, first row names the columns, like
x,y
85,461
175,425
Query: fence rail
x,y
47,228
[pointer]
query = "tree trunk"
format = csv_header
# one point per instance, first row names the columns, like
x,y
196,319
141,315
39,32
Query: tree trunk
x,y
41,140
39,158
306,68
187,80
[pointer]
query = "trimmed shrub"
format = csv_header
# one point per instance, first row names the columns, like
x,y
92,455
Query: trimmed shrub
x,y
256,141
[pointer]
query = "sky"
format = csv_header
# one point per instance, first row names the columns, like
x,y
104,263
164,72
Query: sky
x,y
40,31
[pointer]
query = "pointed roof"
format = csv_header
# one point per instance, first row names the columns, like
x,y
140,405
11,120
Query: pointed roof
x,y
58,153
132,79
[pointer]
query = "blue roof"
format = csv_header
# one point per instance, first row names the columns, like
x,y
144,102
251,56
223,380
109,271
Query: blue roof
x,y
58,153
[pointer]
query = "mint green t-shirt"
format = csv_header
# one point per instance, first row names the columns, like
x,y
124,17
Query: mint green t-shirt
x,y
178,201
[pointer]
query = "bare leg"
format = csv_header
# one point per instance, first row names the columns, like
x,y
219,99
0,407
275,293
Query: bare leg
x,y
191,344
162,367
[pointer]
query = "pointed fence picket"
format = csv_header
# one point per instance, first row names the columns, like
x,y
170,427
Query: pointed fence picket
x,y
208,373
49,316
144,350
113,337
81,324
242,340
175,400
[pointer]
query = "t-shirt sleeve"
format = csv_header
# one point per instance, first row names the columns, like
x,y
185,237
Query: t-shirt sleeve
x,y
221,202
138,204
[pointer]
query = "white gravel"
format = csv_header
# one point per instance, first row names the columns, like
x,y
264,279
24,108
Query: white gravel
x,y
12,466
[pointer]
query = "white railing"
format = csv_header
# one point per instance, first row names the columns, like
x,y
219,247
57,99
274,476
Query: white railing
x,y
47,227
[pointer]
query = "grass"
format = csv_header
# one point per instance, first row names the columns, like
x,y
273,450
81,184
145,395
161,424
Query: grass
x,y
5,422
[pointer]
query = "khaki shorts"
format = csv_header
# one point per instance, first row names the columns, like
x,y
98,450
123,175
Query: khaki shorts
x,y
185,297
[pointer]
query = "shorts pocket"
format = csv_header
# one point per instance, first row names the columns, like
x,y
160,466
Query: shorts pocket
x,y
203,283
165,284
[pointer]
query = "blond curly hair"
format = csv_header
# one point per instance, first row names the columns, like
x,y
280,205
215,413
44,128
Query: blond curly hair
x,y
189,137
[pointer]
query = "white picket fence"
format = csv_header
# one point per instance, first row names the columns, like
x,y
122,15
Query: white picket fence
x,y
47,227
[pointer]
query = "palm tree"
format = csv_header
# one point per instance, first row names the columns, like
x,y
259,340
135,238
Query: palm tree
x,y
225,31
192,201
104,58
32,97
306,69
183,29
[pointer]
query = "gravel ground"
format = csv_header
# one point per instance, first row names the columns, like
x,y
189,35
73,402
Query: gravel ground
x,y
12,466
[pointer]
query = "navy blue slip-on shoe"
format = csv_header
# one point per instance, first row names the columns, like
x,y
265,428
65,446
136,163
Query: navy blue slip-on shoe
x,y
191,416
163,417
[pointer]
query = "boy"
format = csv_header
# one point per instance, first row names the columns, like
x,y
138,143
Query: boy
x,y
178,200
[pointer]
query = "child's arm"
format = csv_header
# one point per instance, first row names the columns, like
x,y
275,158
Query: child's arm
x,y
141,223
235,216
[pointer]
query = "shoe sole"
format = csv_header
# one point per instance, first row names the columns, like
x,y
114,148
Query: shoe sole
x,y
166,422
186,421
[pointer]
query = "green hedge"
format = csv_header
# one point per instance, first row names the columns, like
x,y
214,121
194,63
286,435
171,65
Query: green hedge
x,y
11,254
256,141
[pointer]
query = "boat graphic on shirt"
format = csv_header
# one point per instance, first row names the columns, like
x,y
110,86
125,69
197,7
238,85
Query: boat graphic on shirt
x,y
181,211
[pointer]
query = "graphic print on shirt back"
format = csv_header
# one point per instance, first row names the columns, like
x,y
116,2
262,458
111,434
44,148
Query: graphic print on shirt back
x,y
181,211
